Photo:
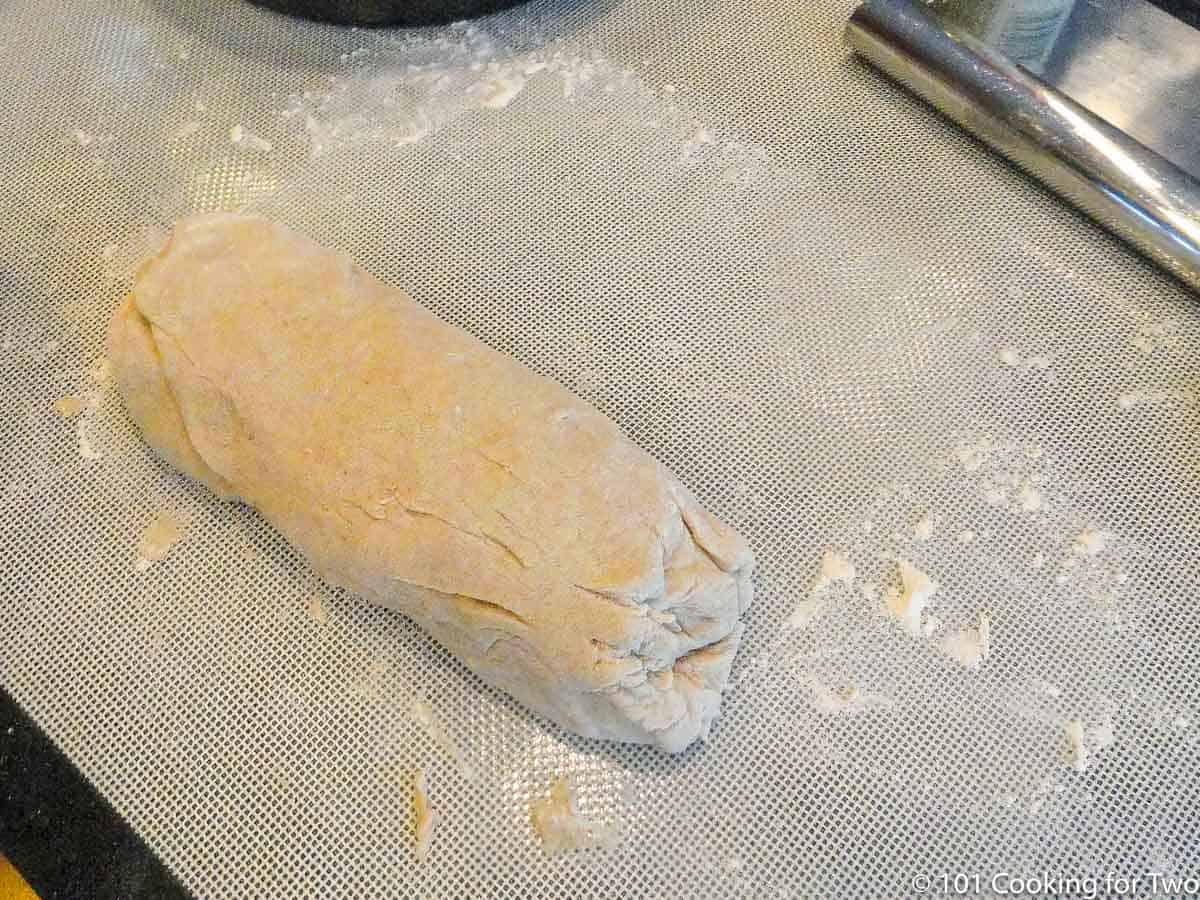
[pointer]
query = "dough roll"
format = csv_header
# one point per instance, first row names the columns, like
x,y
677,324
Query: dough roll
x,y
430,474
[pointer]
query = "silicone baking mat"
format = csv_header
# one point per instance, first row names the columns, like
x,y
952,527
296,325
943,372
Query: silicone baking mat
x,y
842,322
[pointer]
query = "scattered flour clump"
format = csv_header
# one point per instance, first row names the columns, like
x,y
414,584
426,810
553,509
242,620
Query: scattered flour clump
x,y
1091,542
906,604
1029,497
240,137
500,91
1079,750
835,568
849,699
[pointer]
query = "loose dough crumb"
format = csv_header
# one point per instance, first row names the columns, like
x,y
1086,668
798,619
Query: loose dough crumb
x,y
68,407
971,646
966,536
1009,357
425,818
160,536
557,821
1079,751
316,610
907,604
187,129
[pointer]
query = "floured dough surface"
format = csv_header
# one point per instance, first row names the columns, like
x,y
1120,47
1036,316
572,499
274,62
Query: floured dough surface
x,y
428,473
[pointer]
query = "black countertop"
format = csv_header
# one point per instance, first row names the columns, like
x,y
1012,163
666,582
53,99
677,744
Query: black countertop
x,y
64,838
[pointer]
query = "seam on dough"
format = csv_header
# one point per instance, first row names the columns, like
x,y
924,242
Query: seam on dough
x,y
479,536
491,538
612,597
680,599
491,605
516,529
149,325
495,462
200,375
696,540
710,650
498,608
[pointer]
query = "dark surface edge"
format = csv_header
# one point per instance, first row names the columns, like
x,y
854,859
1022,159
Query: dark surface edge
x,y
1184,10
64,838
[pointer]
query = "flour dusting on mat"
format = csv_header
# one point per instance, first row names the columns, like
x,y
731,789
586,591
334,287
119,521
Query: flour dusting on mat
x,y
836,568
847,699
423,713
560,826
970,646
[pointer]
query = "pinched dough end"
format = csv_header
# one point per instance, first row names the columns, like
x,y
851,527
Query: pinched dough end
x,y
663,678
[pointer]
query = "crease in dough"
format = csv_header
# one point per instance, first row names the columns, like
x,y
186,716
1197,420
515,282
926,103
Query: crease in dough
x,y
568,567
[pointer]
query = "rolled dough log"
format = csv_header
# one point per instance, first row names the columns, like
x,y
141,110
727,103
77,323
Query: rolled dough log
x,y
430,474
